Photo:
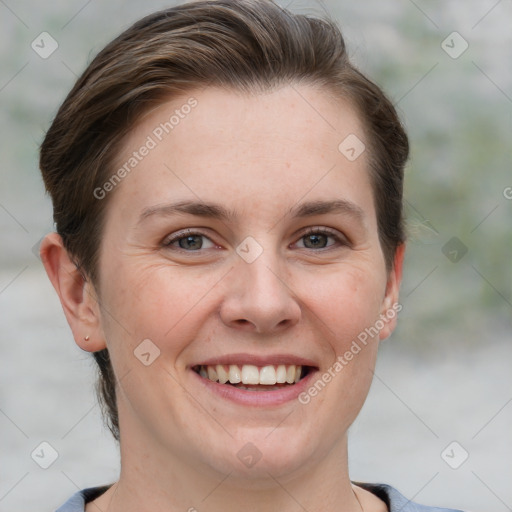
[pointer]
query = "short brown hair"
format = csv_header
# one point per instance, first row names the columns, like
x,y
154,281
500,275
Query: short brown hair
x,y
246,45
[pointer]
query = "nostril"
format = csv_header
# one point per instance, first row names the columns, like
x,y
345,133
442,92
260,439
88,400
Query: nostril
x,y
242,322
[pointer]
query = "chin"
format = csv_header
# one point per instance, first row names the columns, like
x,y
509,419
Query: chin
x,y
262,455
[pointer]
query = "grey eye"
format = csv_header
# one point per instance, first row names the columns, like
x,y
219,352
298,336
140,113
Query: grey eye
x,y
193,242
315,241
188,241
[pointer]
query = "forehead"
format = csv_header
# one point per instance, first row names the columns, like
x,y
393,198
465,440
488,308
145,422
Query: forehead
x,y
246,149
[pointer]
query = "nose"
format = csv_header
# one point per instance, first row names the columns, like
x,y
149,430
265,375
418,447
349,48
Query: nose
x,y
258,299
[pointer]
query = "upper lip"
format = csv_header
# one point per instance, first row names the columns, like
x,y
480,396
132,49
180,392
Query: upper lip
x,y
257,360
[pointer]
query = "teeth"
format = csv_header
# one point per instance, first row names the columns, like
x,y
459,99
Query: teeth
x,y
212,373
290,375
281,374
222,373
268,376
235,376
249,374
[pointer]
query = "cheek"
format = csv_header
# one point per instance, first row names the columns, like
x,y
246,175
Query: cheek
x,y
346,300
155,303
345,307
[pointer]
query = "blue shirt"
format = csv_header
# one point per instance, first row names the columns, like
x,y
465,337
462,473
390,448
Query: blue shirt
x,y
389,495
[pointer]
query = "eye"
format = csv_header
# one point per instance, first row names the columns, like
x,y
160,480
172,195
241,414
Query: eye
x,y
317,238
188,241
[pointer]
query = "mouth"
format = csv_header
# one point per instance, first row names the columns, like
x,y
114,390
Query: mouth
x,y
249,377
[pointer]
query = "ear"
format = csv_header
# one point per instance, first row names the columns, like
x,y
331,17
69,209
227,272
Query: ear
x,y
77,295
390,305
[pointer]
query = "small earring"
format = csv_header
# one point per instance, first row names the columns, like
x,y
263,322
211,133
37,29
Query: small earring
x,y
86,338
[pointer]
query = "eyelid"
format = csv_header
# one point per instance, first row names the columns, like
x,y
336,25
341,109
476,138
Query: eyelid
x,y
319,229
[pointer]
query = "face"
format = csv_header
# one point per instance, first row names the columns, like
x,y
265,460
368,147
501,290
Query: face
x,y
243,244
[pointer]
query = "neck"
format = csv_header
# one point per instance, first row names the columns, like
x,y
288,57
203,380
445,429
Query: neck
x,y
155,479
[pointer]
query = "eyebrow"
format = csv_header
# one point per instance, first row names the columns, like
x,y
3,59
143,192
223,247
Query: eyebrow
x,y
217,211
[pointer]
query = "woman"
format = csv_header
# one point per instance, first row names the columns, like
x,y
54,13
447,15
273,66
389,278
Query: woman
x,y
227,192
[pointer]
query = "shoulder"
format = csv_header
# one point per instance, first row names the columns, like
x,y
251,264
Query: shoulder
x,y
77,502
396,502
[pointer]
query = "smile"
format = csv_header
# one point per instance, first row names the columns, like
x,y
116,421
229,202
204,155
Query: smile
x,y
256,383
251,377
255,379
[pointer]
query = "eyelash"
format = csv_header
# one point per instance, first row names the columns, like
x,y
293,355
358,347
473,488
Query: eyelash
x,y
167,242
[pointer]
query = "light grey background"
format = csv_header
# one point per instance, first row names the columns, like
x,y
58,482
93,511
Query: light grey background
x,y
445,374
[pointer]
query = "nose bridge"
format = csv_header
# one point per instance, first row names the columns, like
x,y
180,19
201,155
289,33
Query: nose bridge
x,y
260,262
263,279
258,296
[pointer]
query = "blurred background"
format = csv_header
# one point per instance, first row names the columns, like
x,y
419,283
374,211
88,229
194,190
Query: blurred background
x,y
437,423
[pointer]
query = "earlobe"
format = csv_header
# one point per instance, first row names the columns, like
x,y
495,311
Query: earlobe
x,y
77,295
390,305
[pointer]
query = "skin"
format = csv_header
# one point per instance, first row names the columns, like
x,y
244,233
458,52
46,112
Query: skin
x,y
260,156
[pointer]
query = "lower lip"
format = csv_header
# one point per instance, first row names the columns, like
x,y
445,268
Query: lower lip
x,y
258,398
